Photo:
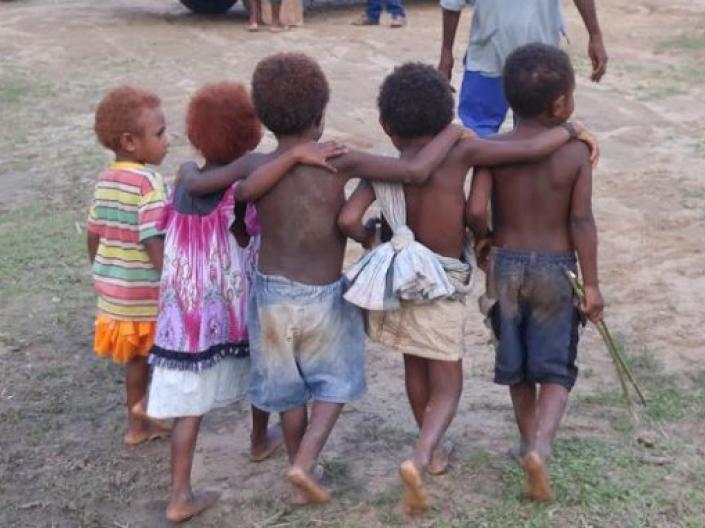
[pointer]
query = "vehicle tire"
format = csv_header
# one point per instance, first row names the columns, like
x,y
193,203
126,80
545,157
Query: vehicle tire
x,y
209,7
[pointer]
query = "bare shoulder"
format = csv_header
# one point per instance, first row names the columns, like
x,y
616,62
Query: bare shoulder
x,y
575,150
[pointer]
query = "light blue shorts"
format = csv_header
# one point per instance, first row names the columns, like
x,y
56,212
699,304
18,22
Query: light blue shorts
x,y
306,342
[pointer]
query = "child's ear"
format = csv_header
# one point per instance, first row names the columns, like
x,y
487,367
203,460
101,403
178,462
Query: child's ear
x,y
127,142
559,106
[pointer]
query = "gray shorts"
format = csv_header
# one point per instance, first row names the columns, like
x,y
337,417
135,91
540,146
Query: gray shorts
x,y
306,342
535,319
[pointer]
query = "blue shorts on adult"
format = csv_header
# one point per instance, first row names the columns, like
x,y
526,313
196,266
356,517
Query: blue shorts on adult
x,y
306,342
535,318
482,106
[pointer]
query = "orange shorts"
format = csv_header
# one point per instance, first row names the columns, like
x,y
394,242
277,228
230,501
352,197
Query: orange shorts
x,y
123,340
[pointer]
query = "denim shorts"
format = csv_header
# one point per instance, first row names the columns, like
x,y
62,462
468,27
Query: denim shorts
x,y
535,318
306,342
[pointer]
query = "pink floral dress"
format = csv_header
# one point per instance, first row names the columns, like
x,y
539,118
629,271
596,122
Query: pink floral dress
x,y
201,351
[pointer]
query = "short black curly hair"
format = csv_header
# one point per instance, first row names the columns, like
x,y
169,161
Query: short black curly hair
x,y
290,93
535,75
415,100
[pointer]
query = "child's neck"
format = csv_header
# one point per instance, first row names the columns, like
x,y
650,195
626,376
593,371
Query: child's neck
x,y
289,141
537,124
122,156
410,147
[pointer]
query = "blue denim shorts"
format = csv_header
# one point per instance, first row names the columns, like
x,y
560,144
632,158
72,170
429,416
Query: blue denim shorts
x,y
306,342
535,318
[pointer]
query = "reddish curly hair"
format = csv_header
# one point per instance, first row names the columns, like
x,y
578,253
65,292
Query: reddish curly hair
x,y
119,112
221,122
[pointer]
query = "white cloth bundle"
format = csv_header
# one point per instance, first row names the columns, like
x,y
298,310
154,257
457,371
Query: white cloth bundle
x,y
403,269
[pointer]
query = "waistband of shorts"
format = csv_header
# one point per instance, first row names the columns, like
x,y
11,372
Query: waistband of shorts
x,y
279,283
520,255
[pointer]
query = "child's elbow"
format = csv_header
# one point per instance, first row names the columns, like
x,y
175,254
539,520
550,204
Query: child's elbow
x,y
243,193
582,223
347,221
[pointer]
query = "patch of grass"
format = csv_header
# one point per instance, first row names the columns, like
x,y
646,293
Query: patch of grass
x,y
43,254
669,397
595,482
687,43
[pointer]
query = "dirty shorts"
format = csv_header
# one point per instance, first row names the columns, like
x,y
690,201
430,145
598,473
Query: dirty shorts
x,y
433,330
306,342
535,318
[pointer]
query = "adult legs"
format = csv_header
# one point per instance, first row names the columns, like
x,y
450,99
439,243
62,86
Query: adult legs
x,y
373,10
396,8
482,106
183,502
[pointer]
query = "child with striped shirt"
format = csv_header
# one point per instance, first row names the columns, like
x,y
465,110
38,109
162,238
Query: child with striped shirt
x,y
125,245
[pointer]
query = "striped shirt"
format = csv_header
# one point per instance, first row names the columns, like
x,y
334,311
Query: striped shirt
x,y
127,209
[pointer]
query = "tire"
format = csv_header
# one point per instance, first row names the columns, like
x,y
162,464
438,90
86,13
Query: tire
x,y
209,7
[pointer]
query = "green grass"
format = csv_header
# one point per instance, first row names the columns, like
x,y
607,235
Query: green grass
x,y
42,253
685,43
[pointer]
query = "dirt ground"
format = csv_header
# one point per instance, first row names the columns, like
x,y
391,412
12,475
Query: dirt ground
x,y
61,409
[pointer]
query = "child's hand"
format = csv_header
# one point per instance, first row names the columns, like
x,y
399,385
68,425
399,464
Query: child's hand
x,y
317,154
593,306
590,140
482,252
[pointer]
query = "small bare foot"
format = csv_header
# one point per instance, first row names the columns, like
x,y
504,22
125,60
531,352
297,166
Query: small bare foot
x,y
252,27
308,485
440,459
415,498
136,437
156,426
281,28
182,510
538,486
273,442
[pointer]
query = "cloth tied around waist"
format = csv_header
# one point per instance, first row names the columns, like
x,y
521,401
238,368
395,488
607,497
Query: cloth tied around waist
x,y
404,269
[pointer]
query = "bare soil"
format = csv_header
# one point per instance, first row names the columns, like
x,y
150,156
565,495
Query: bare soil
x,y
61,409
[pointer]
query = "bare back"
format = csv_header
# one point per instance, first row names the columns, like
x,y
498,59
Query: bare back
x,y
300,236
435,210
531,202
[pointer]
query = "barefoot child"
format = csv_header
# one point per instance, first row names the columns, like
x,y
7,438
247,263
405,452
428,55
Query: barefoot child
x,y
124,243
428,314
541,216
201,351
307,343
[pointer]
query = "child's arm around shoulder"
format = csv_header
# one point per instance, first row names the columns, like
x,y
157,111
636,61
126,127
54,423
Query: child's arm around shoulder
x,y
477,213
584,235
350,217
266,176
358,164
197,182
476,151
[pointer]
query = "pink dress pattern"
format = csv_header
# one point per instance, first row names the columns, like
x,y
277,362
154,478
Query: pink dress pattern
x,y
205,282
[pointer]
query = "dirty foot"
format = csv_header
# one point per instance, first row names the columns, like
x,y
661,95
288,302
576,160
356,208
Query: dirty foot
x,y
272,443
135,437
179,510
308,485
415,497
538,486
158,428
252,27
279,28
440,458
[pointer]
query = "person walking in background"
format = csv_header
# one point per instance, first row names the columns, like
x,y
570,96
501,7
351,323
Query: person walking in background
x,y
373,12
498,28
